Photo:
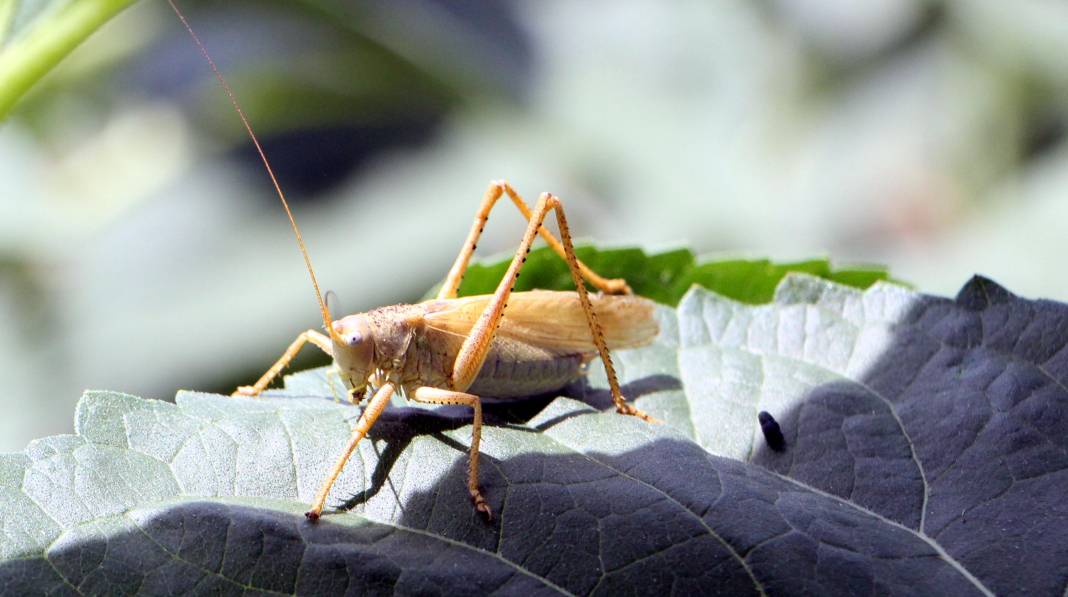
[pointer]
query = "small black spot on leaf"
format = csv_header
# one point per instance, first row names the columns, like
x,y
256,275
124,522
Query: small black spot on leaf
x,y
772,432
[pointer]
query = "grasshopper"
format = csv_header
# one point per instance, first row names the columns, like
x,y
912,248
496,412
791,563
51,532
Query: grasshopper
x,y
450,350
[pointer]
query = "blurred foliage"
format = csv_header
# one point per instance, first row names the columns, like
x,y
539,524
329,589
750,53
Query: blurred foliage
x,y
36,36
143,250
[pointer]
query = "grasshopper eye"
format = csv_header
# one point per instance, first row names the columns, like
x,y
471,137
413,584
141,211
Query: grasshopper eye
x,y
354,333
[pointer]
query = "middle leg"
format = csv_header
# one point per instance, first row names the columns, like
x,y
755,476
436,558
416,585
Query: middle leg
x,y
431,395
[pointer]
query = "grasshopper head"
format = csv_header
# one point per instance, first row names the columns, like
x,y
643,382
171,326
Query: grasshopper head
x,y
354,349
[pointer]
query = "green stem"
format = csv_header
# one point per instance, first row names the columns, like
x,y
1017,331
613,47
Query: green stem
x,y
30,56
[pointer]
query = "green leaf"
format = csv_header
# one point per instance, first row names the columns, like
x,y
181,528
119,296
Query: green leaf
x,y
664,276
43,34
925,442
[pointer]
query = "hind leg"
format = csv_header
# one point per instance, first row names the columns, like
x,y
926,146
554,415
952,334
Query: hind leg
x,y
476,346
493,193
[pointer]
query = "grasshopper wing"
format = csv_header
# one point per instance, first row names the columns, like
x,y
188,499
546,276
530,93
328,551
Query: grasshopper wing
x,y
553,320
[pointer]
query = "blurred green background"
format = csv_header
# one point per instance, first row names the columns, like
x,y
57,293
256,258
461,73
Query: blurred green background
x,y
142,248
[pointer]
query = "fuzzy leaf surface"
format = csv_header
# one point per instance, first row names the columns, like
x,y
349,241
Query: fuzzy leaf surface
x,y
925,454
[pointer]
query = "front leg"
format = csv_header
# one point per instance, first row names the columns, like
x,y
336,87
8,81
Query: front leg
x,y
370,414
312,336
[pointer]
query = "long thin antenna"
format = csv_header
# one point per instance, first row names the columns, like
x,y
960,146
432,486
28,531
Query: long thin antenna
x,y
263,157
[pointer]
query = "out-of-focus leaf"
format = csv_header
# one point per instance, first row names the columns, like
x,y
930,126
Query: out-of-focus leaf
x,y
42,34
925,453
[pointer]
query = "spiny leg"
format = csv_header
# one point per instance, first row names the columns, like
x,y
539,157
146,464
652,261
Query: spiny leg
x,y
476,346
439,396
308,336
367,420
493,193
622,406
605,285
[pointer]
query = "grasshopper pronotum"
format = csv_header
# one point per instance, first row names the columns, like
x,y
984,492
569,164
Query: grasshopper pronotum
x,y
451,350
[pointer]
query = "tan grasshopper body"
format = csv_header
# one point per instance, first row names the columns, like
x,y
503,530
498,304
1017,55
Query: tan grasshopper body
x,y
455,350
543,342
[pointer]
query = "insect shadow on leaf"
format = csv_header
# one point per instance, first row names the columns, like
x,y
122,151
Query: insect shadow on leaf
x,y
601,398
398,426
